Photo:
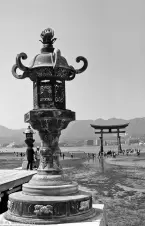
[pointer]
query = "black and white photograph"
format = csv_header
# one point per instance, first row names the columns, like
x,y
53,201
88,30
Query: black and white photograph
x,y
72,112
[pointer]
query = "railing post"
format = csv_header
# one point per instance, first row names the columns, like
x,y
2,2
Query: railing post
x,y
5,197
4,201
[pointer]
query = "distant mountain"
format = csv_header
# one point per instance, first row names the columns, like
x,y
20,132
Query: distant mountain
x,y
10,135
81,129
77,130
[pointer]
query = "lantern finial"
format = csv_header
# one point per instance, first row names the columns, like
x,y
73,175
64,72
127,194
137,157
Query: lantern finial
x,y
47,39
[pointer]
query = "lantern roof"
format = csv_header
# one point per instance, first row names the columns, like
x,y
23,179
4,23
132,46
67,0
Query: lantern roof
x,y
49,64
29,130
48,59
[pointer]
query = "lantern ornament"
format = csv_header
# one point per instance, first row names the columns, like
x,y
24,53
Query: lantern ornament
x,y
49,197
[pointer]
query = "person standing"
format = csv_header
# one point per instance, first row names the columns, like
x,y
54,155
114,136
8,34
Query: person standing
x,y
36,153
138,152
93,156
30,157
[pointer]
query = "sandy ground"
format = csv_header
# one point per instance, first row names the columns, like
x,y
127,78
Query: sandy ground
x,y
119,184
132,160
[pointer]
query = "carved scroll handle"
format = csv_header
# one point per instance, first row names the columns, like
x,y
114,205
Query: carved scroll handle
x,y
84,67
20,66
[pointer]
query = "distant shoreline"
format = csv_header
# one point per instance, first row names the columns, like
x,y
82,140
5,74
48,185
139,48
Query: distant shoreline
x,y
86,149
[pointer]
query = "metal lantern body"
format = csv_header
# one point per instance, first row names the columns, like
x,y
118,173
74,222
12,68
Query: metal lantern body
x,y
51,71
57,199
48,71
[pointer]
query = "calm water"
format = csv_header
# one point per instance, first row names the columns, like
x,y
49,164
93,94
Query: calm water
x,y
119,187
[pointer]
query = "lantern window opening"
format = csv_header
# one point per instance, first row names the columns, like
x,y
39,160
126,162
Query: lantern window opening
x,y
58,81
45,81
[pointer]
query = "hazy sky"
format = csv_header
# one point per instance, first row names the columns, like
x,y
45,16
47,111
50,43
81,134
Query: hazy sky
x,y
109,33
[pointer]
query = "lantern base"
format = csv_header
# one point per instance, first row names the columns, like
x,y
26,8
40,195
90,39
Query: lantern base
x,y
50,199
99,220
49,209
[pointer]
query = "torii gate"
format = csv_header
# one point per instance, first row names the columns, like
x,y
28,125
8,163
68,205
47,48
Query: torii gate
x,y
105,129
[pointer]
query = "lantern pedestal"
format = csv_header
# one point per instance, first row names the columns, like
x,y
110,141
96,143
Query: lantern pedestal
x,y
50,196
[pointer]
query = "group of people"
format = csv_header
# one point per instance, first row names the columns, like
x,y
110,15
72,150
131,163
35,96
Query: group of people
x,y
131,151
91,156
33,155
113,153
17,154
63,155
72,155
106,154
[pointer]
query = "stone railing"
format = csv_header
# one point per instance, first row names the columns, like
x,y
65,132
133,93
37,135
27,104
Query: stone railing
x,y
12,181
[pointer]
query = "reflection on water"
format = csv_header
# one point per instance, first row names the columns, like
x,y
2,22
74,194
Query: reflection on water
x,y
120,188
101,165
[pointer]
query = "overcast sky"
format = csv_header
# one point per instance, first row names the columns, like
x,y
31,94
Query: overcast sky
x,y
109,33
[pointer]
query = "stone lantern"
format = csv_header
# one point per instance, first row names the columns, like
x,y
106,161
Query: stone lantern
x,y
29,136
49,197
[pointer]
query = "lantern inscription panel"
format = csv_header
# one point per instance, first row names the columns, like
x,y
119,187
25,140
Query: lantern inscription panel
x,y
49,94
45,94
59,90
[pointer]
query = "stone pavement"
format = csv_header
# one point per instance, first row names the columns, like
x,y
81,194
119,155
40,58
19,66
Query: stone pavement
x,y
14,177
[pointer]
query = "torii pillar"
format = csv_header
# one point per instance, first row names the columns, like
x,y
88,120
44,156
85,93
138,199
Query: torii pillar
x,y
119,141
101,143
